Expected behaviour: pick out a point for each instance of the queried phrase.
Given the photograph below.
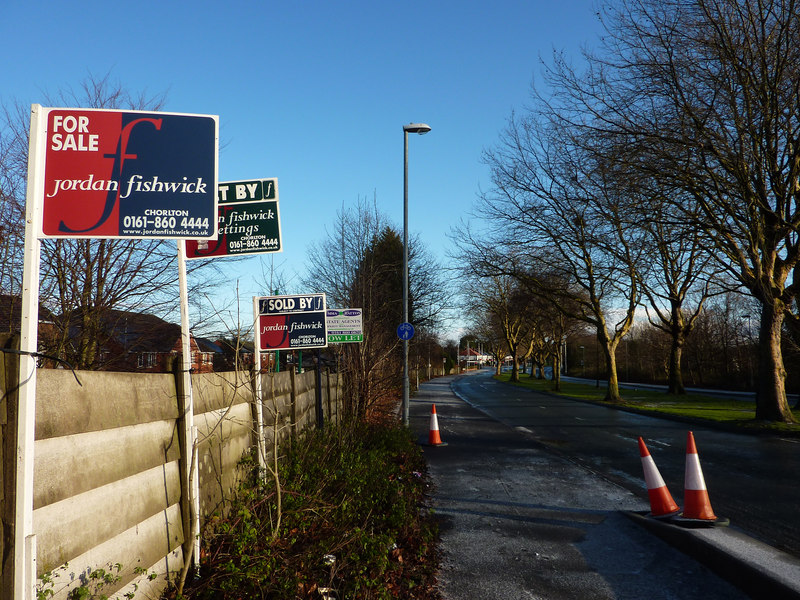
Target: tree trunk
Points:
(540, 373)
(514, 367)
(557, 371)
(675, 377)
(610, 351)
(771, 402)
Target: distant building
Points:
(131, 341)
(11, 320)
(470, 357)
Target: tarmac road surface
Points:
(751, 479)
(519, 522)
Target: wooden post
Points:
(9, 386)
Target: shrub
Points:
(353, 521)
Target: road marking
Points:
(523, 429)
(650, 442)
(659, 443)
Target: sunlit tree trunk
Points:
(772, 404)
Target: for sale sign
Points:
(248, 220)
(128, 174)
(291, 322)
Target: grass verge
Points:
(731, 413)
(353, 524)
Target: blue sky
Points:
(315, 93)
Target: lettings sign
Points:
(291, 322)
(248, 220)
(345, 325)
(128, 174)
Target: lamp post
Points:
(420, 128)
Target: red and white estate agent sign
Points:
(290, 322)
(104, 174)
(120, 174)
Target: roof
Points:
(140, 332)
(206, 345)
(11, 313)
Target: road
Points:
(517, 521)
(752, 480)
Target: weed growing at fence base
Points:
(353, 521)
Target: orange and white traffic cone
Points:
(696, 505)
(434, 439)
(661, 502)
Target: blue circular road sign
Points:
(405, 331)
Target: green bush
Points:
(353, 520)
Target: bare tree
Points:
(680, 277)
(359, 265)
(341, 268)
(560, 215)
(706, 95)
(13, 169)
(486, 329)
(510, 308)
(552, 327)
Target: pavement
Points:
(518, 522)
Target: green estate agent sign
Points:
(248, 220)
(344, 325)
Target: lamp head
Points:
(420, 128)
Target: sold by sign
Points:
(291, 322)
(248, 220)
(116, 174)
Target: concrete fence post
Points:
(9, 386)
(185, 443)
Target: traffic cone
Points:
(434, 439)
(661, 502)
(695, 497)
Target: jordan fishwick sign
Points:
(127, 174)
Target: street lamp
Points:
(420, 128)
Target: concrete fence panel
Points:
(72, 526)
(276, 390)
(225, 430)
(106, 463)
(215, 391)
(102, 400)
(305, 401)
(224, 437)
(109, 483)
(73, 464)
